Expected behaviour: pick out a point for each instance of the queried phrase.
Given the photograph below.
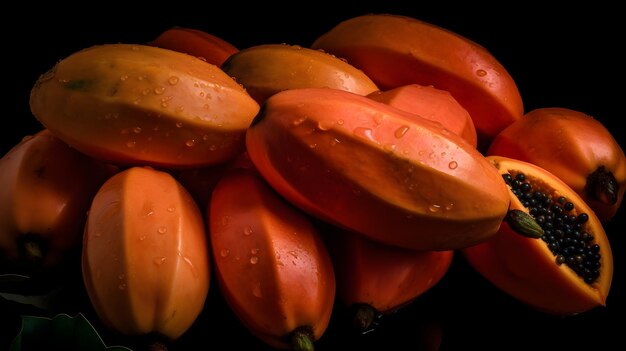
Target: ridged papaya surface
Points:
(142, 105)
(267, 69)
(376, 170)
(272, 266)
(398, 50)
(145, 255)
(573, 146)
(567, 270)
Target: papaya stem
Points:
(602, 186)
(32, 250)
(524, 224)
(302, 339)
(364, 316)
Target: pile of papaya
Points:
(299, 189)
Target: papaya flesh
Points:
(267, 69)
(433, 104)
(376, 170)
(145, 257)
(569, 269)
(142, 105)
(271, 264)
(398, 50)
(573, 146)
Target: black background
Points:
(565, 56)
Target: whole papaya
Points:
(145, 261)
(376, 170)
(142, 105)
(573, 146)
(47, 188)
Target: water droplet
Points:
(190, 143)
(140, 78)
(340, 122)
(401, 131)
(188, 261)
(294, 254)
(97, 234)
(434, 208)
(121, 276)
(481, 72)
(389, 147)
(431, 155)
(256, 290)
(162, 230)
(325, 125)
(254, 251)
(254, 260)
(131, 144)
(142, 237)
(180, 109)
(213, 147)
(124, 77)
(453, 165)
(334, 142)
(164, 104)
(137, 130)
(299, 121)
(159, 260)
(179, 124)
(224, 252)
(173, 80)
(247, 231)
(145, 92)
(159, 90)
(171, 209)
(122, 286)
(364, 133)
(313, 145)
(449, 206)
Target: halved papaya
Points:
(552, 252)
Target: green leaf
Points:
(59, 333)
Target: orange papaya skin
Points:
(572, 146)
(267, 69)
(526, 269)
(433, 104)
(271, 264)
(142, 105)
(145, 257)
(208, 47)
(368, 167)
(47, 188)
(383, 277)
(397, 50)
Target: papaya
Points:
(142, 105)
(267, 69)
(271, 264)
(433, 104)
(145, 261)
(47, 188)
(375, 279)
(203, 45)
(376, 170)
(573, 146)
(552, 252)
(399, 50)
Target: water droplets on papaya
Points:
(173, 80)
(159, 90)
(364, 133)
(224, 252)
(453, 165)
(124, 77)
(159, 260)
(247, 231)
(434, 208)
(142, 237)
(254, 260)
(193, 268)
(131, 144)
(137, 130)
(162, 230)
(481, 72)
(171, 209)
(190, 143)
(256, 290)
(179, 124)
(401, 131)
(298, 121)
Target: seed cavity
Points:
(565, 230)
